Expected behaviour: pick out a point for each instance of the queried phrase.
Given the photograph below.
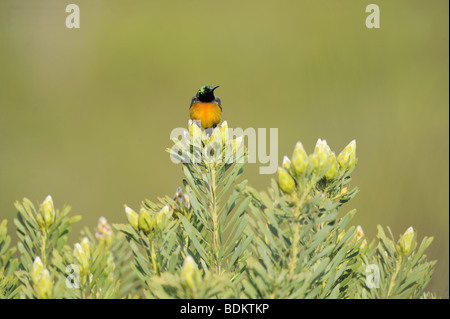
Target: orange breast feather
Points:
(208, 113)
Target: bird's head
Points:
(206, 93)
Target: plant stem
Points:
(296, 230)
(294, 250)
(394, 276)
(153, 256)
(214, 217)
(44, 240)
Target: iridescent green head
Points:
(206, 93)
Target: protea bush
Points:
(219, 237)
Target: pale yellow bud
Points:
(195, 132)
(132, 217)
(224, 131)
(47, 212)
(333, 171)
(166, 211)
(347, 158)
(41, 279)
(146, 222)
(321, 147)
(44, 287)
(37, 269)
(82, 254)
(286, 163)
(285, 180)
(300, 159)
(406, 242)
(319, 157)
(189, 272)
(217, 135)
(163, 217)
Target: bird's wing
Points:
(194, 99)
(217, 100)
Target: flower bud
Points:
(286, 163)
(224, 131)
(406, 242)
(195, 132)
(166, 211)
(333, 171)
(45, 285)
(216, 135)
(299, 159)
(132, 217)
(187, 201)
(146, 222)
(359, 232)
(104, 232)
(181, 203)
(40, 277)
(162, 218)
(359, 235)
(178, 197)
(286, 182)
(347, 158)
(37, 269)
(46, 213)
(82, 254)
(320, 156)
(189, 273)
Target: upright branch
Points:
(212, 162)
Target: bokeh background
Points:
(85, 114)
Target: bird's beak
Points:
(214, 88)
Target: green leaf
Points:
(193, 235)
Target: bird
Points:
(205, 107)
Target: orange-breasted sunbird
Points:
(205, 107)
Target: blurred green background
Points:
(85, 114)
